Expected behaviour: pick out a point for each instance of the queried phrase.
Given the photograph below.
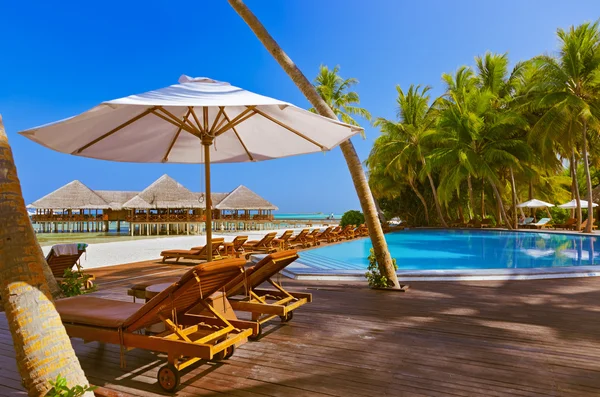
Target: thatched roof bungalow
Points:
(165, 205)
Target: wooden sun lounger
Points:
(234, 248)
(260, 246)
(326, 235)
(186, 338)
(59, 263)
(195, 253)
(283, 241)
(299, 240)
(312, 237)
(569, 224)
(266, 304)
(346, 233)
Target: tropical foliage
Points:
(497, 136)
(352, 217)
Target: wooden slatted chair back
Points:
(195, 285)
(266, 268)
(58, 264)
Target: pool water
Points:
(458, 249)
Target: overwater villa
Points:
(164, 207)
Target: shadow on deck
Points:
(526, 338)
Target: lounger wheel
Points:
(287, 318)
(229, 352)
(258, 334)
(168, 378)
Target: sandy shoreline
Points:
(120, 252)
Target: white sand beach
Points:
(120, 252)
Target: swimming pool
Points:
(463, 251)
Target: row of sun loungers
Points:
(544, 223)
(240, 246)
(192, 319)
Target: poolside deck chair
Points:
(459, 222)
(526, 222)
(362, 230)
(474, 223)
(312, 237)
(584, 225)
(187, 338)
(283, 241)
(485, 223)
(300, 240)
(541, 224)
(326, 235)
(195, 253)
(346, 233)
(63, 257)
(260, 246)
(235, 248)
(266, 304)
(569, 224)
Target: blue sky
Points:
(62, 58)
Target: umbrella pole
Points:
(208, 200)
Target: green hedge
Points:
(352, 217)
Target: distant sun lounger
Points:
(195, 253)
(541, 224)
(571, 223)
(63, 257)
(186, 339)
(260, 246)
(526, 222)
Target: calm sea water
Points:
(305, 216)
(464, 249)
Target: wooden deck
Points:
(521, 338)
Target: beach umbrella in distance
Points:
(199, 120)
(535, 203)
(573, 204)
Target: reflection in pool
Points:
(463, 249)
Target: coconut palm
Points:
(416, 120)
(365, 197)
(567, 92)
(43, 349)
(386, 172)
(336, 92)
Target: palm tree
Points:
(567, 91)
(43, 349)
(383, 169)
(355, 167)
(417, 120)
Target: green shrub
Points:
(74, 283)
(60, 389)
(373, 275)
(352, 217)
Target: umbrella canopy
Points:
(199, 120)
(535, 204)
(573, 204)
(168, 125)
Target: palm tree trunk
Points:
(382, 254)
(514, 199)
(500, 204)
(531, 196)
(43, 349)
(436, 199)
(471, 198)
(482, 198)
(380, 213)
(577, 195)
(421, 198)
(588, 180)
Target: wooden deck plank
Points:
(495, 338)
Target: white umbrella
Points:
(573, 204)
(535, 203)
(199, 120)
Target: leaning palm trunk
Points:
(502, 214)
(577, 195)
(380, 213)
(514, 199)
(436, 199)
(421, 199)
(471, 198)
(43, 349)
(588, 180)
(482, 198)
(382, 254)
